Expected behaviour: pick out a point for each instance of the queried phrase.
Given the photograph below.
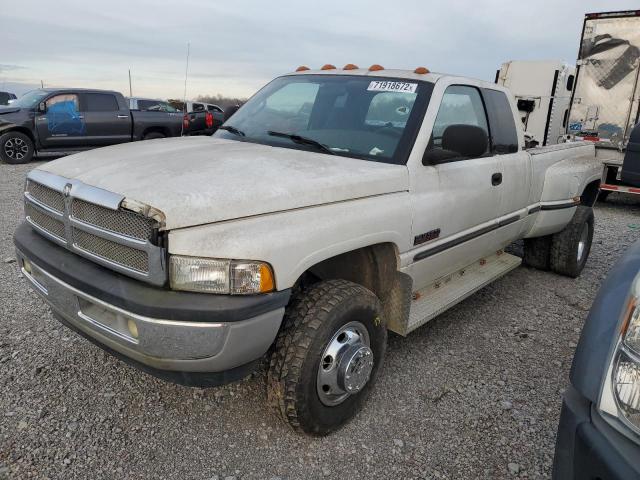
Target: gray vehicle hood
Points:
(200, 180)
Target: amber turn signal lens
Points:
(350, 66)
(375, 67)
(328, 66)
(302, 68)
(421, 70)
(267, 283)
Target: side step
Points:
(434, 299)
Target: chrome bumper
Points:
(158, 343)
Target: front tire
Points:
(327, 356)
(570, 248)
(16, 148)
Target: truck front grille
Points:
(46, 195)
(111, 251)
(131, 224)
(119, 239)
(47, 223)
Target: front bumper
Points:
(163, 332)
(587, 447)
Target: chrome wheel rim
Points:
(345, 365)
(16, 148)
(582, 244)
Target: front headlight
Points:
(236, 277)
(620, 396)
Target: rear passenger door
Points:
(457, 199)
(514, 165)
(107, 122)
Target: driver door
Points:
(62, 125)
(455, 203)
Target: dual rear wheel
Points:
(565, 252)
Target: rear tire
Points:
(570, 248)
(322, 369)
(16, 148)
(153, 135)
(537, 252)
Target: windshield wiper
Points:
(232, 129)
(303, 141)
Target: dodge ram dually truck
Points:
(62, 121)
(333, 206)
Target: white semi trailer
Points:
(542, 89)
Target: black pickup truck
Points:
(62, 121)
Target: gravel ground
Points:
(474, 394)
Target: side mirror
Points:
(230, 111)
(42, 107)
(458, 142)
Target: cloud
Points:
(236, 47)
(10, 68)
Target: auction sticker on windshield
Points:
(387, 86)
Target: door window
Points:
(101, 102)
(504, 136)
(461, 107)
(63, 115)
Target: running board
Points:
(434, 299)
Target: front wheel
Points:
(16, 148)
(327, 356)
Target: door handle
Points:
(123, 116)
(496, 179)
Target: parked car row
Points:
(54, 122)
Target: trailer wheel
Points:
(537, 252)
(327, 356)
(16, 148)
(570, 248)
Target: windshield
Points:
(29, 99)
(372, 118)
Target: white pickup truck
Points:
(333, 206)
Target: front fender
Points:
(295, 240)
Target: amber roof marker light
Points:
(421, 70)
(302, 68)
(328, 66)
(375, 67)
(350, 66)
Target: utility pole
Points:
(130, 89)
(184, 97)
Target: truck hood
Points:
(200, 180)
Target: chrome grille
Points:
(127, 223)
(46, 196)
(114, 252)
(92, 223)
(51, 225)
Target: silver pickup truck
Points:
(334, 205)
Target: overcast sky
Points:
(237, 46)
